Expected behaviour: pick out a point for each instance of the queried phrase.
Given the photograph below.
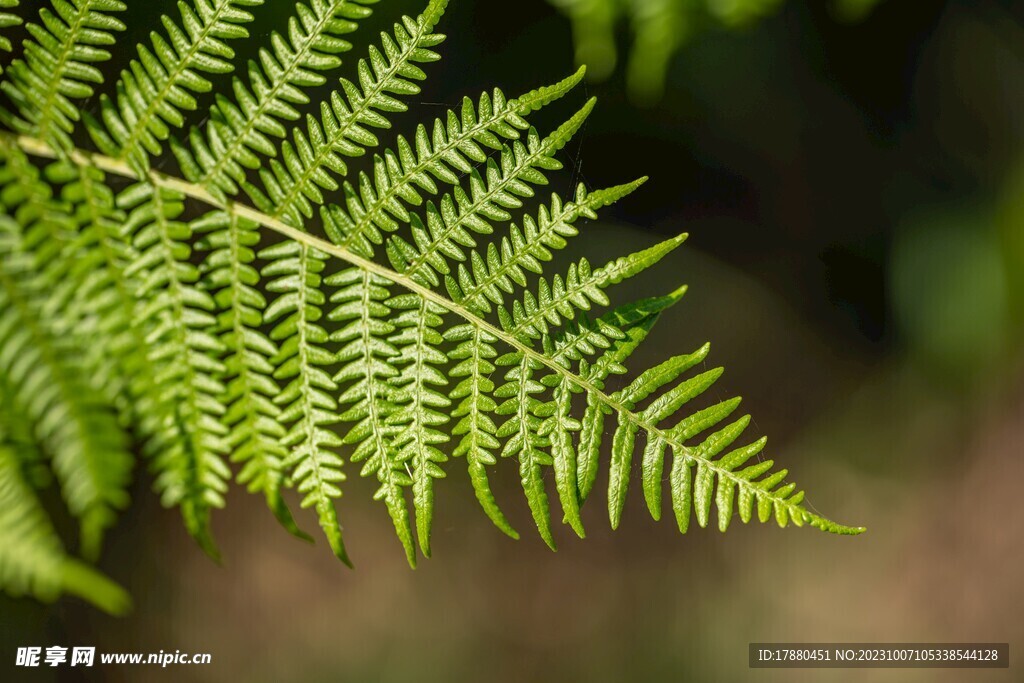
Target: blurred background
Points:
(854, 194)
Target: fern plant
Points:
(296, 296)
(660, 28)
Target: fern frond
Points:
(634, 321)
(559, 426)
(252, 418)
(88, 448)
(83, 254)
(240, 130)
(548, 426)
(475, 354)
(419, 402)
(445, 237)
(581, 287)
(60, 66)
(16, 434)
(667, 404)
(7, 20)
(521, 432)
(47, 229)
(188, 453)
(695, 492)
(159, 86)
(489, 278)
(366, 359)
(296, 180)
(32, 561)
(310, 408)
(100, 299)
(120, 300)
(105, 301)
(447, 229)
(456, 143)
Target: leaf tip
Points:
(573, 80)
(677, 294)
(78, 578)
(346, 560)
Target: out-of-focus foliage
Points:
(660, 28)
(952, 293)
(1009, 224)
(7, 20)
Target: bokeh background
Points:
(854, 194)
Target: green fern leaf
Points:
(475, 354)
(88, 449)
(159, 86)
(7, 20)
(242, 336)
(238, 132)
(458, 141)
(310, 408)
(46, 371)
(554, 423)
(252, 418)
(59, 67)
(296, 180)
(102, 300)
(189, 455)
(367, 366)
(16, 434)
(623, 441)
(581, 287)
(91, 290)
(507, 180)
(522, 433)
(419, 402)
(559, 426)
(447, 229)
(634, 321)
(47, 229)
(31, 558)
(489, 278)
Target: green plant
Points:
(660, 28)
(269, 334)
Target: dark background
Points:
(854, 195)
